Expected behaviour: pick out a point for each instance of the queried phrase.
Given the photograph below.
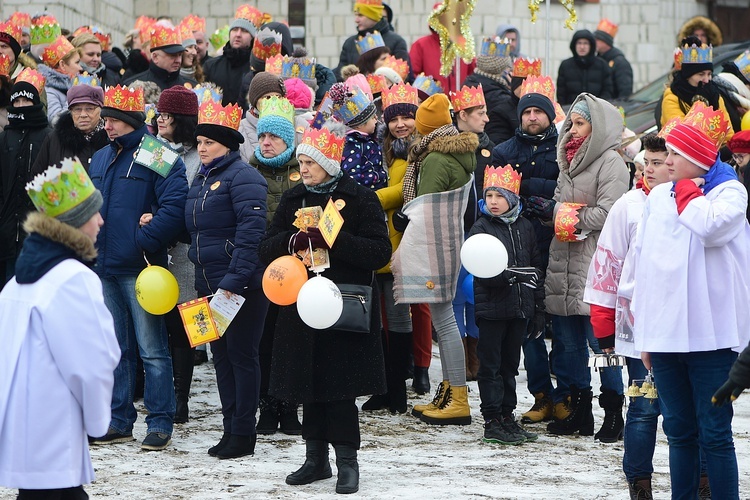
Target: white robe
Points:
(57, 361)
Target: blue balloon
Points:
(467, 287)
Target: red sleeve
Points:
(602, 321)
(415, 57)
(684, 191)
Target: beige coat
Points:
(597, 176)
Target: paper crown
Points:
(5, 65)
(105, 40)
(667, 128)
(143, 21)
(59, 189)
(56, 51)
(164, 36)
(267, 44)
(274, 64)
(566, 220)
(712, 123)
(502, 177)
(208, 92)
(44, 29)
(33, 77)
(377, 83)
(330, 145)
(250, 13)
(693, 55)
(398, 65)
(523, 67)
(12, 29)
(213, 113)
(608, 27)
(195, 23)
(20, 19)
(220, 37)
(495, 46)
(86, 79)
(467, 97)
(124, 98)
(186, 33)
(370, 41)
(401, 93)
(151, 113)
(743, 64)
(277, 106)
(352, 106)
(426, 86)
(296, 67)
(539, 85)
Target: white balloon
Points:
(319, 303)
(484, 256)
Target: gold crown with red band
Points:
(185, 32)
(56, 51)
(377, 83)
(502, 177)
(398, 65)
(523, 67)
(329, 144)
(667, 128)
(401, 93)
(195, 23)
(21, 19)
(124, 98)
(250, 13)
(213, 113)
(712, 123)
(566, 220)
(267, 44)
(5, 64)
(163, 36)
(33, 77)
(467, 97)
(12, 29)
(608, 27)
(539, 85)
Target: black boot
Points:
(611, 403)
(316, 466)
(421, 382)
(268, 421)
(397, 368)
(348, 474)
(218, 446)
(288, 419)
(182, 369)
(580, 419)
(237, 446)
(376, 402)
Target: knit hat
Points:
(264, 83)
(220, 123)
(85, 94)
(536, 100)
(24, 89)
(582, 108)
(740, 142)
(360, 80)
(433, 114)
(9, 35)
(325, 146)
(495, 65)
(606, 31)
(700, 135)
(390, 74)
(124, 104)
(277, 117)
(179, 101)
(371, 9)
(640, 158)
(247, 18)
(298, 93)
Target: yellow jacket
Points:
(670, 108)
(392, 198)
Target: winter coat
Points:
(622, 73)
(58, 360)
(501, 107)
(583, 74)
(325, 78)
(391, 199)
(129, 191)
(362, 160)
(597, 176)
(161, 77)
(672, 107)
(225, 214)
(56, 86)
(425, 58)
(495, 298)
(449, 164)
(536, 160)
(66, 141)
(136, 62)
(18, 151)
(227, 71)
(279, 180)
(107, 77)
(396, 44)
(484, 158)
(327, 365)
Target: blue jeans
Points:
(463, 310)
(641, 422)
(137, 329)
(686, 382)
(536, 363)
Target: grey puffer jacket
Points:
(597, 176)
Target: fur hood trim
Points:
(712, 30)
(60, 232)
(465, 142)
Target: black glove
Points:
(739, 380)
(726, 393)
(526, 276)
(535, 328)
(541, 207)
(400, 221)
(317, 240)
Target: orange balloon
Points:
(283, 279)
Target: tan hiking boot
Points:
(436, 402)
(540, 412)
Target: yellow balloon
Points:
(746, 121)
(156, 290)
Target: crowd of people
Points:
(630, 247)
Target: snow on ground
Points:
(400, 458)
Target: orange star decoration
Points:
(568, 4)
(451, 22)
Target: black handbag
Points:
(357, 311)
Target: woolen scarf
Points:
(572, 147)
(417, 155)
(26, 117)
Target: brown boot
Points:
(561, 410)
(640, 489)
(540, 412)
(472, 363)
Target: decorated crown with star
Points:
(712, 123)
(250, 13)
(208, 92)
(12, 29)
(325, 141)
(33, 77)
(124, 98)
(743, 64)
(163, 36)
(213, 113)
(523, 67)
(5, 64)
(44, 29)
(86, 79)
(267, 44)
(276, 106)
(59, 189)
(369, 41)
(56, 51)
(427, 86)
(495, 46)
(398, 65)
(195, 23)
(467, 97)
(400, 93)
(220, 37)
(502, 177)
(297, 67)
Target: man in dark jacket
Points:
(533, 152)
(166, 60)
(130, 190)
(369, 17)
(228, 69)
(622, 73)
(584, 72)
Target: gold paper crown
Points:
(608, 27)
(33, 77)
(57, 190)
(21, 19)
(56, 51)
(250, 13)
(523, 67)
(274, 64)
(495, 46)
(369, 41)
(276, 106)
(124, 98)
(86, 79)
(163, 36)
(329, 144)
(267, 44)
(467, 97)
(12, 29)
(398, 65)
(712, 123)
(502, 177)
(5, 65)
(105, 39)
(195, 23)
(143, 21)
(213, 113)
(401, 93)
(539, 85)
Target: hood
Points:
(588, 36)
(55, 79)
(606, 132)
(503, 28)
(712, 30)
(381, 26)
(463, 143)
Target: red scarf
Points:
(572, 147)
(643, 184)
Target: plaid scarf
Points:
(417, 155)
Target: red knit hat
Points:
(740, 142)
(700, 135)
(178, 100)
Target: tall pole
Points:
(547, 64)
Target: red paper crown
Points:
(712, 123)
(608, 27)
(539, 85)
(56, 51)
(467, 97)
(667, 128)
(5, 65)
(502, 177)
(523, 67)
(195, 23)
(263, 51)
(213, 113)
(377, 83)
(274, 64)
(33, 77)
(566, 220)
(329, 144)
(250, 13)
(12, 29)
(398, 65)
(124, 98)
(162, 36)
(105, 39)
(401, 93)
(21, 19)
(144, 24)
(45, 19)
(186, 33)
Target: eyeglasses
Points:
(739, 157)
(88, 110)
(164, 116)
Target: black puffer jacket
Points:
(392, 40)
(66, 141)
(622, 73)
(583, 74)
(484, 157)
(161, 77)
(227, 71)
(501, 107)
(495, 298)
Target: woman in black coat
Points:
(327, 369)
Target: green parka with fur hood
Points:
(449, 163)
